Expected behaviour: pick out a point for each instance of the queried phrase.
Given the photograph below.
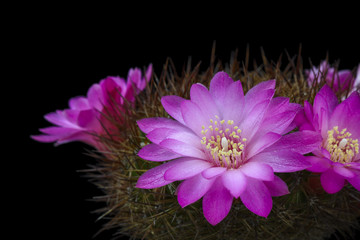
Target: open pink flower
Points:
(339, 80)
(337, 158)
(85, 115)
(225, 145)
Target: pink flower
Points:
(225, 145)
(339, 80)
(85, 115)
(337, 158)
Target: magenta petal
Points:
(302, 142)
(186, 170)
(96, 97)
(318, 164)
(282, 160)
(87, 119)
(45, 138)
(213, 172)
(234, 94)
(79, 103)
(277, 187)
(331, 181)
(347, 115)
(217, 203)
(58, 118)
(182, 148)
(218, 86)
(154, 177)
(192, 189)
(257, 198)
(183, 135)
(148, 124)
(172, 105)
(263, 91)
(343, 171)
(193, 116)
(355, 181)
(326, 99)
(200, 95)
(262, 143)
(156, 153)
(59, 131)
(278, 123)
(258, 170)
(252, 121)
(235, 181)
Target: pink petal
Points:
(263, 91)
(302, 142)
(347, 115)
(355, 181)
(148, 124)
(183, 135)
(58, 118)
(277, 187)
(88, 119)
(213, 172)
(234, 95)
(96, 97)
(331, 181)
(345, 78)
(235, 181)
(79, 103)
(186, 170)
(218, 86)
(200, 95)
(257, 198)
(258, 170)
(45, 138)
(156, 153)
(172, 105)
(59, 131)
(318, 164)
(193, 116)
(192, 189)
(282, 160)
(182, 148)
(326, 99)
(252, 121)
(154, 177)
(217, 203)
(258, 145)
(278, 123)
(340, 169)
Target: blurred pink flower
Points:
(225, 145)
(85, 115)
(337, 158)
(338, 80)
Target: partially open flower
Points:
(86, 115)
(339, 80)
(225, 145)
(337, 157)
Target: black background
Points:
(51, 61)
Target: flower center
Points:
(341, 147)
(223, 144)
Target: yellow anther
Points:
(244, 139)
(222, 121)
(216, 129)
(227, 130)
(239, 131)
(236, 127)
(216, 116)
(236, 136)
(203, 127)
